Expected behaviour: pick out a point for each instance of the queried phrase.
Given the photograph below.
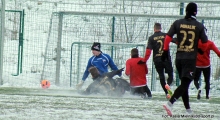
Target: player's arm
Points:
(147, 54)
(165, 54)
(215, 49)
(112, 64)
(202, 47)
(203, 36)
(85, 75)
(113, 73)
(86, 72)
(148, 49)
(169, 36)
(127, 68)
(167, 41)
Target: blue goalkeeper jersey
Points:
(101, 62)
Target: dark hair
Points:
(191, 7)
(191, 10)
(94, 72)
(134, 53)
(157, 26)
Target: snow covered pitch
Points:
(57, 104)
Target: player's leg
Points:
(91, 88)
(160, 70)
(185, 69)
(136, 91)
(198, 72)
(185, 95)
(169, 71)
(140, 91)
(147, 90)
(177, 92)
(206, 73)
(197, 77)
(132, 90)
(181, 89)
(187, 77)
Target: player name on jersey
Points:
(193, 27)
(159, 37)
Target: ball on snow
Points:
(45, 84)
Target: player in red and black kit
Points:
(188, 31)
(203, 65)
(155, 43)
(137, 73)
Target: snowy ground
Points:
(67, 104)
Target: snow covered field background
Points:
(67, 104)
(21, 97)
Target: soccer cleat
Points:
(207, 98)
(199, 96)
(143, 96)
(147, 97)
(168, 108)
(168, 96)
(189, 111)
(168, 90)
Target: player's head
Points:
(157, 27)
(96, 48)
(134, 53)
(191, 9)
(94, 72)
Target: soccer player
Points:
(155, 43)
(203, 65)
(105, 84)
(188, 31)
(137, 73)
(100, 60)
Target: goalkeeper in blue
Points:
(99, 60)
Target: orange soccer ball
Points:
(45, 84)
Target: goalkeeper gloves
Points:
(119, 72)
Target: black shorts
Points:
(160, 66)
(186, 68)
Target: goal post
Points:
(81, 52)
(2, 29)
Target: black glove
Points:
(200, 51)
(164, 56)
(113, 73)
(119, 72)
(141, 62)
